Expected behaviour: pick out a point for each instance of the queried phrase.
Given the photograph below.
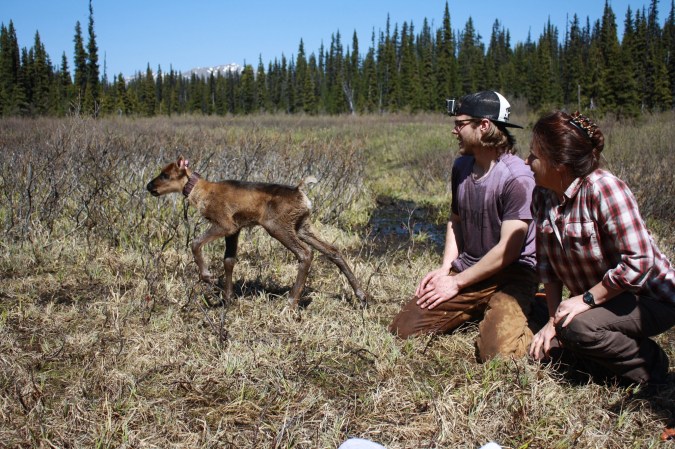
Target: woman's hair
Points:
(573, 141)
(497, 136)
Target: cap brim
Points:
(508, 125)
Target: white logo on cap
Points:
(504, 108)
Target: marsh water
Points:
(403, 220)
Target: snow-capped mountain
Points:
(200, 72)
(204, 72)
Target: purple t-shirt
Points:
(505, 193)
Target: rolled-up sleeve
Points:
(618, 216)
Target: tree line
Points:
(403, 69)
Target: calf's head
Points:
(171, 179)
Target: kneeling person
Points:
(487, 271)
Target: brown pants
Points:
(613, 339)
(504, 301)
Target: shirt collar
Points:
(573, 189)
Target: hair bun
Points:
(598, 141)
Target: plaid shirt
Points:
(596, 234)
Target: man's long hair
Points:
(498, 136)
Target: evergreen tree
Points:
(447, 77)
(274, 84)
(388, 70)
(6, 81)
(352, 81)
(370, 81)
(641, 60)
(171, 92)
(335, 101)
(428, 82)
(121, 103)
(542, 76)
(470, 59)
(93, 90)
(147, 93)
(261, 88)
(20, 96)
(39, 77)
(497, 59)
(289, 82)
(248, 90)
(220, 94)
(212, 103)
(574, 79)
(409, 72)
(611, 60)
(316, 78)
(628, 99)
(80, 61)
(285, 95)
(320, 79)
(669, 48)
(160, 103)
(65, 86)
(305, 100)
(10, 62)
(596, 87)
(658, 95)
(519, 66)
(195, 95)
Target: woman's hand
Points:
(568, 309)
(541, 342)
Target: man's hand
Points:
(427, 278)
(437, 290)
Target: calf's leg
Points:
(213, 233)
(229, 260)
(303, 253)
(305, 233)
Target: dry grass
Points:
(107, 340)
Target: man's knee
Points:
(504, 329)
(408, 321)
(414, 320)
(507, 342)
(401, 327)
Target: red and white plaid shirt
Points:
(597, 234)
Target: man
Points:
(488, 263)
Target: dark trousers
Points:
(502, 302)
(614, 338)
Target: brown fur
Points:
(232, 205)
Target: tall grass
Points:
(108, 340)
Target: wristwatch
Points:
(589, 300)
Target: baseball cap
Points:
(485, 104)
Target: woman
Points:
(592, 240)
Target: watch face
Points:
(588, 299)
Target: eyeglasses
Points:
(459, 124)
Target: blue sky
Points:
(199, 33)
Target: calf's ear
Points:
(182, 162)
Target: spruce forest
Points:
(404, 69)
